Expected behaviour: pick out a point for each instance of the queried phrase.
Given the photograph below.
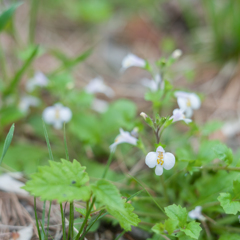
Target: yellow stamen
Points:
(57, 114)
(160, 158)
(188, 103)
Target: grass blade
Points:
(47, 141)
(65, 142)
(7, 142)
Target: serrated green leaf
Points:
(223, 153)
(229, 206)
(7, 15)
(63, 181)
(7, 142)
(192, 230)
(183, 236)
(177, 213)
(126, 218)
(107, 194)
(170, 225)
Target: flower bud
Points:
(177, 54)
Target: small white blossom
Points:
(99, 105)
(153, 84)
(39, 80)
(178, 115)
(144, 115)
(177, 54)
(56, 115)
(197, 214)
(188, 102)
(123, 137)
(160, 159)
(132, 60)
(97, 85)
(26, 102)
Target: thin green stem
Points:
(33, 20)
(120, 235)
(71, 221)
(65, 142)
(49, 213)
(3, 64)
(63, 222)
(86, 219)
(108, 165)
(36, 218)
(43, 218)
(237, 169)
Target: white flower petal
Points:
(132, 60)
(169, 161)
(159, 170)
(49, 114)
(151, 159)
(192, 214)
(188, 112)
(99, 105)
(182, 103)
(195, 101)
(65, 114)
(160, 149)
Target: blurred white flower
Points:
(23, 234)
(144, 115)
(123, 137)
(97, 85)
(160, 159)
(177, 54)
(178, 115)
(39, 80)
(26, 102)
(153, 84)
(56, 115)
(132, 60)
(99, 105)
(197, 214)
(188, 102)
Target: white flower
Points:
(144, 115)
(153, 84)
(178, 115)
(97, 85)
(39, 79)
(57, 115)
(188, 102)
(132, 60)
(26, 102)
(99, 105)
(177, 54)
(197, 214)
(160, 159)
(123, 137)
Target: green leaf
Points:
(7, 15)
(63, 181)
(83, 212)
(170, 225)
(107, 194)
(223, 153)
(7, 142)
(211, 127)
(183, 236)
(192, 230)
(126, 218)
(228, 204)
(177, 213)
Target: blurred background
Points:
(81, 40)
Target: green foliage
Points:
(192, 230)
(60, 181)
(6, 16)
(107, 194)
(7, 142)
(223, 153)
(126, 218)
(231, 201)
(229, 236)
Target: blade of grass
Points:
(18, 75)
(33, 20)
(49, 212)
(43, 219)
(48, 142)
(120, 235)
(63, 222)
(7, 142)
(36, 218)
(65, 142)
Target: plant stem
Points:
(108, 165)
(237, 169)
(33, 20)
(71, 221)
(49, 212)
(36, 218)
(120, 235)
(43, 218)
(63, 222)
